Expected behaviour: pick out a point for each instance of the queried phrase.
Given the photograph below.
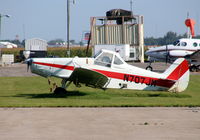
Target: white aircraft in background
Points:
(109, 70)
(180, 48)
(169, 53)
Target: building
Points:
(35, 47)
(119, 27)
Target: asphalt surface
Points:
(158, 123)
(15, 70)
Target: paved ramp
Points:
(100, 123)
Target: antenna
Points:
(24, 32)
(131, 5)
(188, 29)
(198, 23)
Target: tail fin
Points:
(179, 72)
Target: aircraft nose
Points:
(148, 53)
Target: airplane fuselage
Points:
(119, 73)
(126, 76)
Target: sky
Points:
(46, 19)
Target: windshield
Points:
(117, 61)
(105, 59)
(97, 54)
(176, 43)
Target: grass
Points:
(34, 92)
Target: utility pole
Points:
(131, 5)
(68, 26)
(1, 16)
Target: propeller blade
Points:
(167, 54)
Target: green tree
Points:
(169, 38)
(55, 42)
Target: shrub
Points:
(55, 51)
(62, 52)
(15, 51)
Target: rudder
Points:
(179, 72)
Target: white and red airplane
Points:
(109, 70)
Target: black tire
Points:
(60, 91)
(198, 68)
(149, 68)
(193, 68)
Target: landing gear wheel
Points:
(198, 68)
(149, 68)
(60, 91)
(193, 68)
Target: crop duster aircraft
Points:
(108, 70)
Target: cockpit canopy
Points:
(180, 43)
(176, 43)
(187, 42)
(107, 58)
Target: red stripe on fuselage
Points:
(138, 79)
(122, 76)
(55, 65)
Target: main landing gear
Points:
(59, 90)
(149, 67)
(194, 68)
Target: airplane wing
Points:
(88, 77)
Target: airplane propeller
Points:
(167, 55)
